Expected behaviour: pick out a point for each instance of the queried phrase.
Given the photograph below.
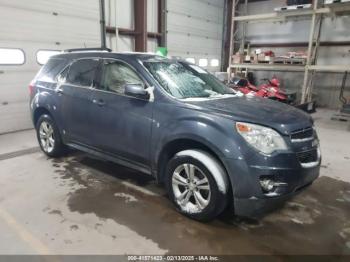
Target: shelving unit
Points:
(270, 67)
(316, 15)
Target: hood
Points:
(263, 111)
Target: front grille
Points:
(302, 134)
(308, 156)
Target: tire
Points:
(49, 137)
(188, 196)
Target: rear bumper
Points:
(249, 198)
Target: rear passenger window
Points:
(116, 74)
(82, 72)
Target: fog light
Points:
(267, 184)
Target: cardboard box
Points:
(237, 58)
(247, 59)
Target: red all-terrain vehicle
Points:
(270, 89)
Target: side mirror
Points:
(136, 90)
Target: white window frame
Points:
(217, 62)
(55, 52)
(13, 49)
(205, 60)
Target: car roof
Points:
(125, 55)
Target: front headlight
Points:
(263, 139)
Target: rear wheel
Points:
(49, 137)
(193, 188)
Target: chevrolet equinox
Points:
(211, 147)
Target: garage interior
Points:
(79, 205)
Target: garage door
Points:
(195, 31)
(29, 26)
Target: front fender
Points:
(213, 132)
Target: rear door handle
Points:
(98, 102)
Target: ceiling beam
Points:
(130, 32)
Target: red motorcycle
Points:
(270, 89)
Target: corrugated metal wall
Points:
(120, 14)
(194, 29)
(33, 25)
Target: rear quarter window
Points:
(51, 69)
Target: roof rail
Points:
(87, 49)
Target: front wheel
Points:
(194, 188)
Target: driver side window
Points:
(116, 75)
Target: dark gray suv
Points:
(211, 147)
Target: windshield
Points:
(183, 80)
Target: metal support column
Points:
(162, 22)
(103, 24)
(304, 95)
(314, 57)
(244, 28)
(140, 15)
(232, 37)
(225, 45)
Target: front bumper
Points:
(249, 198)
(258, 207)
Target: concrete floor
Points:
(79, 205)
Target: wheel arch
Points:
(181, 144)
(41, 110)
(38, 112)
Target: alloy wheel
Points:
(191, 188)
(46, 135)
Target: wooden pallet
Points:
(341, 117)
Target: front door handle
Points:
(98, 102)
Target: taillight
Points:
(31, 88)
